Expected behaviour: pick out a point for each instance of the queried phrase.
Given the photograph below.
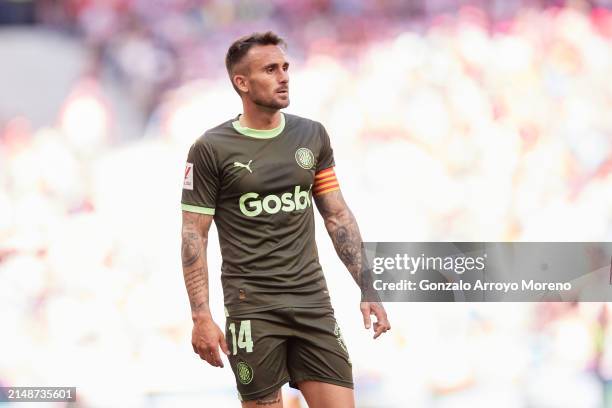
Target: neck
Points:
(256, 117)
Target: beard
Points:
(270, 103)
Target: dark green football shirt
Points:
(258, 185)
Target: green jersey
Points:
(258, 185)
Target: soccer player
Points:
(256, 176)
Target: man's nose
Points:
(284, 77)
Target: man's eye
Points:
(269, 70)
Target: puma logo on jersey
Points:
(246, 166)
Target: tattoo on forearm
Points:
(342, 235)
(345, 243)
(270, 399)
(345, 235)
(191, 248)
(195, 272)
(195, 281)
(344, 232)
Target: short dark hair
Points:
(241, 47)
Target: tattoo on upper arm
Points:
(270, 399)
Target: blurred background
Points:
(450, 121)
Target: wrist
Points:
(201, 313)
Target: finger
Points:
(365, 311)
(386, 323)
(216, 357)
(205, 355)
(378, 333)
(381, 315)
(223, 344)
(210, 358)
(379, 329)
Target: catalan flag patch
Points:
(325, 182)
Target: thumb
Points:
(365, 311)
(223, 344)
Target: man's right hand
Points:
(206, 339)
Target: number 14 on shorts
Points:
(245, 340)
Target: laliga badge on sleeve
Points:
(188, 180)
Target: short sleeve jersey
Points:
(258, 185)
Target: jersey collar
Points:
(257, 133)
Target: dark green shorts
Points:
(268, 349)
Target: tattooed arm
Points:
(344, 232)
(206, 335)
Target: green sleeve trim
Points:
(199, 210)
(257, 133)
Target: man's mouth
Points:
(283, 91)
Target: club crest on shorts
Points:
(305, 158)
(244, 372)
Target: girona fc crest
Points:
(245, 372)
(305, 158)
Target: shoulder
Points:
(214, 135)
(299, 121)
(305, 126)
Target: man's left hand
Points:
(381, 325)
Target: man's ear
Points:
(241, 83)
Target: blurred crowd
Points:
(152, 46)
(446, 126)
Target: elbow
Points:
(193, 247)
(189, 234)
(338, 218)
(345, 216)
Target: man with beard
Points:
(256, 175)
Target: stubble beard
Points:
(271, 103)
